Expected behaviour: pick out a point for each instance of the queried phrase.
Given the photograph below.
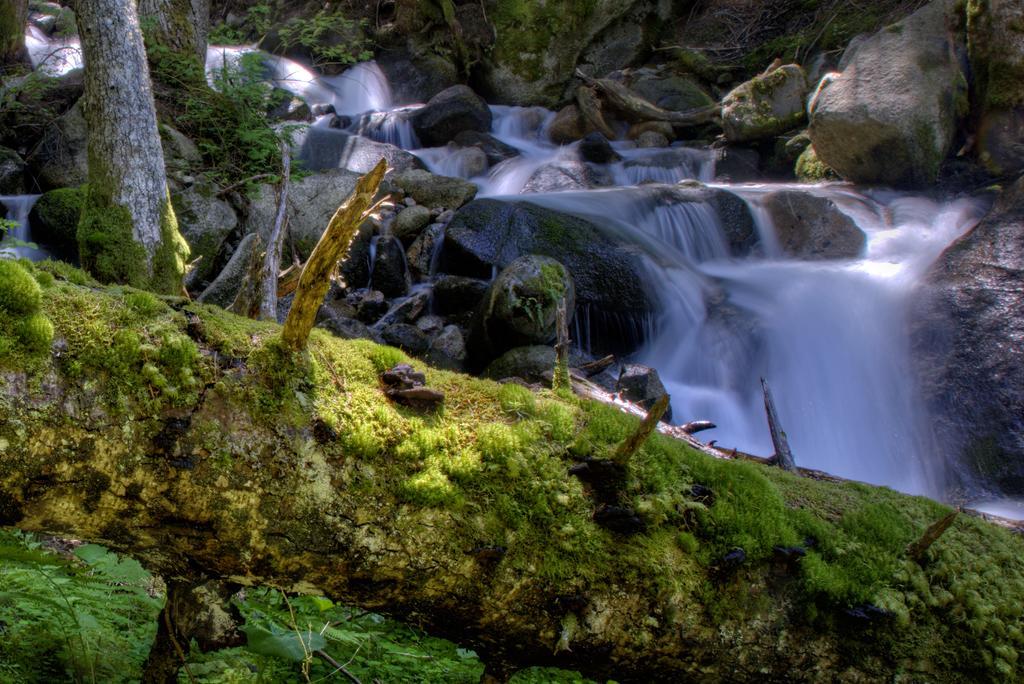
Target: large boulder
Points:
(812, 227)
(665, 87)
(416, 75)
(312, 202)
(205, 221)
(321, 148)
(435, 191)
(488, 234)
(60, 158)
(54, 220)
(891, 114)
(995, 36)
(569, 125)
(538, 45)
(535, 363)
(450, 112)
(567, 175)
(390, 273)
(765, 106)
(969, 345)
(223, 290)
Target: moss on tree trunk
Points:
(13, 15)
(189, 438)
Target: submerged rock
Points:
(766, 105)
(596, 148)
(567, 175)
(450, 112)
(495, 150)
(899, 130)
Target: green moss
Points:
(35, 333)
(810, 169)
(25, 333)
(57, 214)
(20, 294)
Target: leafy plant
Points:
(330, 38)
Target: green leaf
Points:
(281, 643)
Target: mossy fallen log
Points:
(191, 439)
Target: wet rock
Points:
(406, 337)
(435, 191)
(223, 290)
(430, 325)
(667, 88)
(569, 126)
(651, 139)
(663, 127)
(60, 160)
(416, 75)
(450, 112)
(457, 294)
(765, 106)
(898, 131)
(371, 306)
(595, 148)
(12, 172)
(205, 222)
(348, 328)
(410, 222)
(666, 165)
(532, 364)
(289, 107)
(619, 519)
(969, 350)
(448, 349)
(491, 233)
(642, 385)
(406, 310)
(737, 164)
(567, 175)
(390, 273)
(812, 227)
(423, 248)
(495, 150)
(321, 149)
(520, 307)
(355, 268)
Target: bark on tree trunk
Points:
(128, 231)
(181, 25)
(13, 15)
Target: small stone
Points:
(596, 148)
(651, 139)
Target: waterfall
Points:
(17, 208)
(52, 55)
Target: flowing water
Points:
(18, 241)
(831, 337)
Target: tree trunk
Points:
(13, 16)
(296, 471)
(128, 232)
(179, 25)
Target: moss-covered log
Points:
(189, 438)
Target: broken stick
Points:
(783, 456)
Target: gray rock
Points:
(371, 306)
(60, 159)
(407, 310)
(766, 105)
(470, 161)
(423, 249)
(322, 148)
(223, 290)
(390, 273)
(312, 202)
(812, 227)
(457, 294)
(668, 89)
(348, 329)
(406, 337)
(448, 113)
(737, 164)
(663, 127)
(651, 139)
(569, 126)
(899, 130)
(490, 233)
(532, 364)
(448, 349)
(435, 191)
(969, 349)
(355, 268)
(567, 175)
(12, 172)
(416, 75)
(205, 222)
(410, 222)
(430, 325)
(495, 150)
(642, 385)
(520, 307)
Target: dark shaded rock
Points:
(54, 219)
(813, 227)
(348, 328)
(423, 249)
(329, 148)
(390, 273)
(969, 349)
(642, 385)
(456, 294)
(738, 164)
(450, 112)
(702, 494)
(651, 139)
(619, 519)
(59, 160)
(520, 307)
(448, 349)
(355, 268)
(406, 337)
(407, 310)
(403, 376)
(668, 89)
(416, 75)
(532, 364)
(12, 172)
(205, 222)
(491, 233)
(569, 126)
(405, 386)
(223, 290)
(867, 613)
(410, 222)
(371, 306)
(495, 150)
(430, 324)
(567, 175)
(595, 148)
(606, 478)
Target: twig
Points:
(275, 244)
(783, 456)
(917, 549)
(643, 431)
(235, 186)
(338, 667)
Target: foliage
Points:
(22, 327)
(330, 38)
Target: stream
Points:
(830, 336)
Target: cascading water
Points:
(16, 243)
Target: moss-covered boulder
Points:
(900, 129)
(205, 221)
(54, 219)
(521, 306)
(767, 105)
(24, 330)
(810, 169)
(995, 41)
(534, 363)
